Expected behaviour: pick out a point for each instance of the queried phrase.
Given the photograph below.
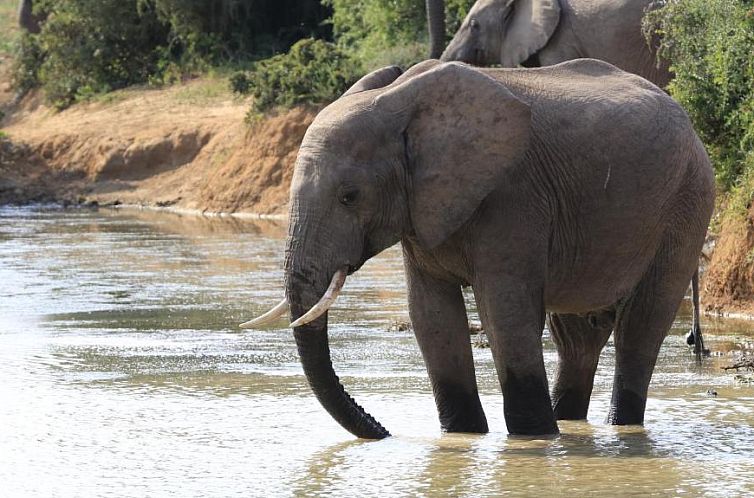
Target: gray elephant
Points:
(577, 188)
(546, 32)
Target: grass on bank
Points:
(9, 31)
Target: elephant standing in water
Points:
(546, 32)
(576, 188)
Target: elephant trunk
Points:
(314, 352)
(436, 24)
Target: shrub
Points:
(88, 47)
(239, 83)
(313, 71)
(28, 60)
(222, 30)
(710, 45)
(94, 46)
(383, 32)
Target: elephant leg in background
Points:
(643, 323)
(579, 340)
(438, 315)
(513, 315)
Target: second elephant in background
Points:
(547, 32)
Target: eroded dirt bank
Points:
(185, 147)
(728, 285)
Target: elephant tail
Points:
(695, 334)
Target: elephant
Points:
(576, 189)
(545, 32)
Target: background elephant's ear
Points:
(376, 79)
(532, 25)
(463, 129)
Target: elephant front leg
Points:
(512, 313)
(441, 326)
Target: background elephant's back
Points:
(605, 87)
(608, 30)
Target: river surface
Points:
(123, 373)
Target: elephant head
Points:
(505, 32)
(408, 161)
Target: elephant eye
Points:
(348, 195)
(474, 24)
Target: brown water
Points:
(122, 373)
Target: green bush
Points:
(87, 47)
(94, 46)
(28, 60)
(313, 71)
(710, 45)
(238, 30)
(383, 32)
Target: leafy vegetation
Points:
(8, 26)
(313, 71)
(369, 34)
(90, 47)
(87, 47)
(710, 45)
(383, 32)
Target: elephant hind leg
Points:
(579, 340)
(644, 321)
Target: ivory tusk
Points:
(331, 294)
(279, 310)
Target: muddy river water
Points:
(122, 373)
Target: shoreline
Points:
(243, 215)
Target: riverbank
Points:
(184, 146)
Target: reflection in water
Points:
(123, 372)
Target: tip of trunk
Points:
(314, 351)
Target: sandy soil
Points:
(186, 146)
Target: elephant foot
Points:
(626, 408)
(460, 410)
(536, 426)
(470, 426)
(570, 404)
(527, 407)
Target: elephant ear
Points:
(376, 79)
(462, 129)
(532, 25)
